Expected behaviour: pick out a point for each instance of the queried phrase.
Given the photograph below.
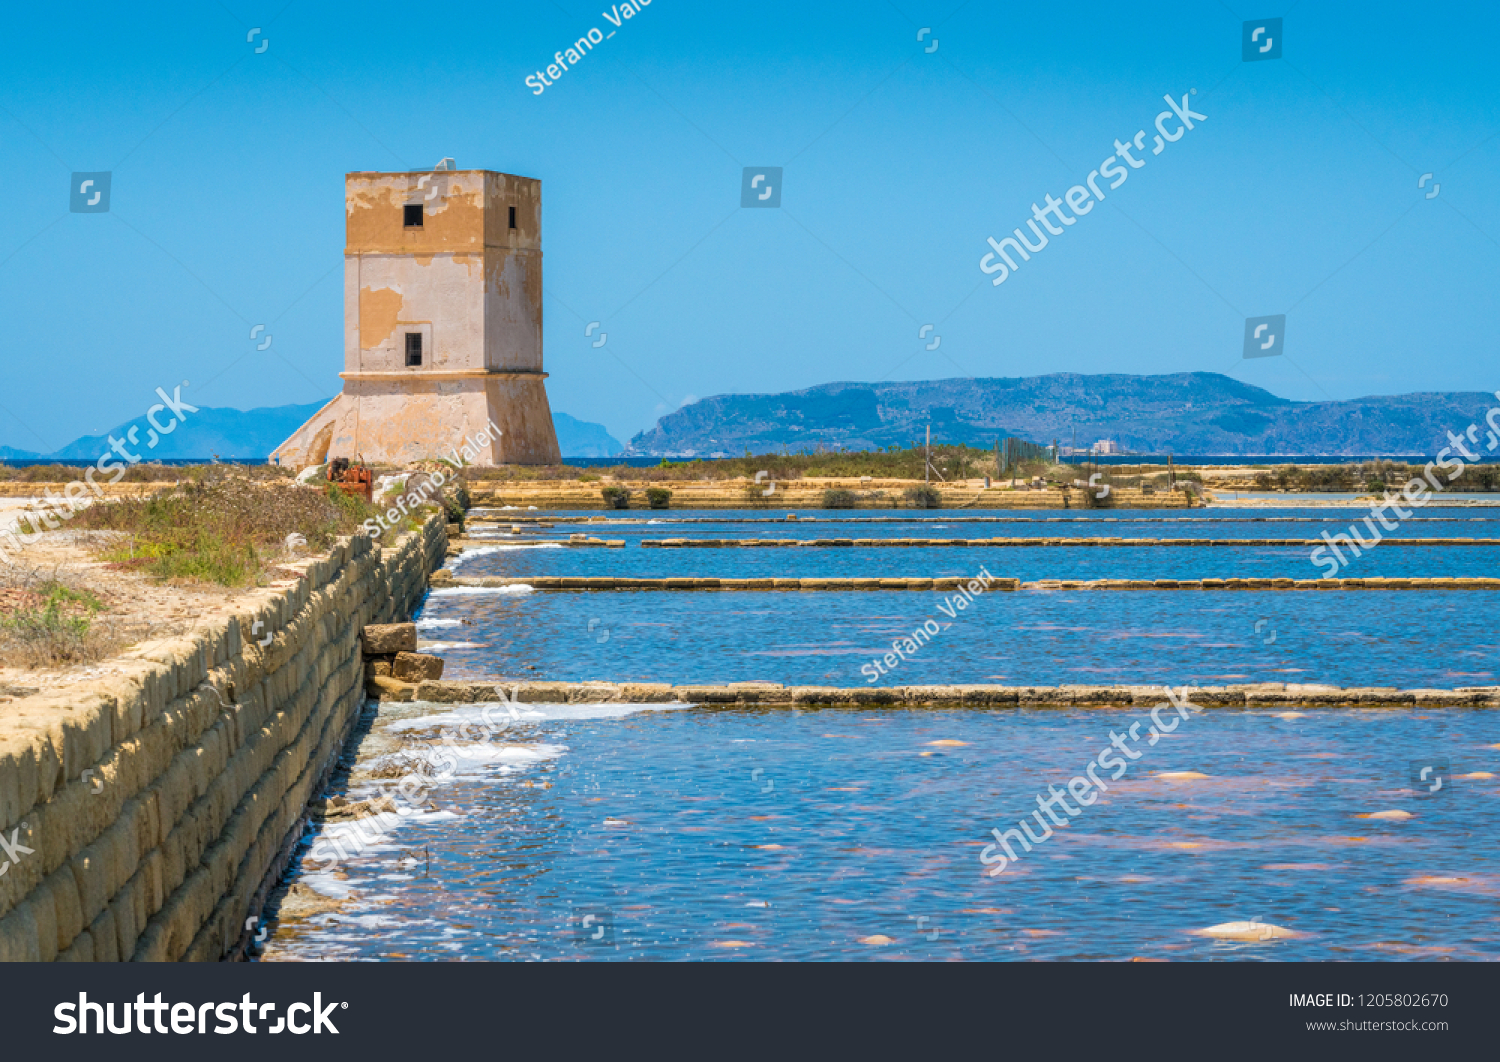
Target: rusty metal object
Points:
(352, 479)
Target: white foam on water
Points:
(451, 591)
(439, 647)
(499, 712)
(431, 816)
(370, 921)
(326, 883)
(480, 551)
(423, 624)
(508, 755)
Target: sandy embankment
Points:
(137, 612)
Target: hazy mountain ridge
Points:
(252, 435)
(1185, 413)
(582, 438)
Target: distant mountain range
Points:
(582, 438)
(1184, 413)
(253, 434)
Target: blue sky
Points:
(1298, 195)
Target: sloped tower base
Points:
(415, 418)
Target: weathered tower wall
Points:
(466, 282)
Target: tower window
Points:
(512, 217)
(413, 347)
(411, 215)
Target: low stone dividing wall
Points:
(159, 807)
(15, 488)
(445, 577)
(931, 543)
(770, 694)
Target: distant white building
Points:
(1106, 446)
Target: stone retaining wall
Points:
(160, 806)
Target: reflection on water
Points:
(777, 834)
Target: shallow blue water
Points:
(1430, 522)
(697, 834)
(1021, 562)
(1398, 638)
(536, 551)
(691, 833)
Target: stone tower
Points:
(442, 323)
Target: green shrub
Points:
(616, 497)
(658, 497)
(924, 497)
(838, 499)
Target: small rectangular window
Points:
(411, 215)
(413, 348)
(512, 217)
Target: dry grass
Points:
(45, 622)
(223, 525)
(145, 472)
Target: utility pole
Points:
(927, 466)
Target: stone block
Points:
(417, 667)
(389, 689)
(382, 638)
